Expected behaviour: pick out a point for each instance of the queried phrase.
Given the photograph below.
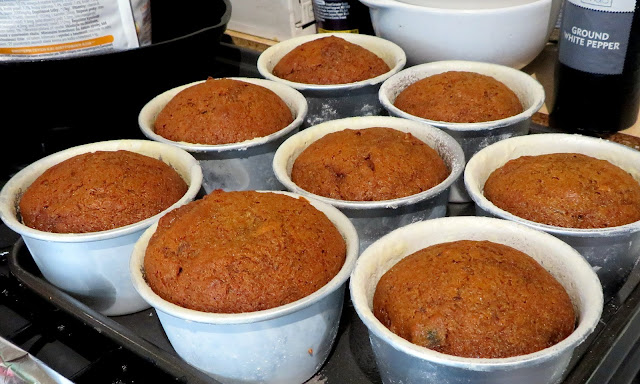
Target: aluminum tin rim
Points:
(363, 122)
(587, 321)
(399, 58)
(462, 65)
(8, 202)
(285, 92)
(342, 223)
(482, 202)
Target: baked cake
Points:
(234, 252)
(99, 191)
(474, 299)
(459, 97)
(565, 190)
(222, 111)
(368, 165)
(329, 60)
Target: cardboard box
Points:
(276, 20)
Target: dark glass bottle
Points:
(342, 16)
(597, 76)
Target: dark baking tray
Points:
(609, 356)
(606, 357)
(140, 333)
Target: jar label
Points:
(606, 5)
(333, 16)
(595, 34)
(322, 30)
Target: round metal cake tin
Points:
(471, 136)
(613, 251)
(235, 166)
(373, 219)
(286, 344)
(400, 361)
(330, 102)
(94, 267)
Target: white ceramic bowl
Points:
(235, 166)
(373, 219)
(330, 102)
(471, 136)
(400, 361)
(286, 344)
(94, 267)
(614, 251)
(467, 4)
(488, 31)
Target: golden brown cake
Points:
(459, 97)
(222, 111)
(474, 299)
(329, 60)
(98, 191)
(368, 165)
(566, 190)
(234, 252)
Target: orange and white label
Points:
(104, 40)
(41, 29)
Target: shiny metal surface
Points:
(400, 361)
(608, 356)
(373, 219)
(288, 343)
(235, 166)
(613, 251)
(330, 102)
(241, 169)
(471, 136)
(474, 140)
(371, 224)
(93, 266)
(396, 367)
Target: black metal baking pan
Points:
(98, 97)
